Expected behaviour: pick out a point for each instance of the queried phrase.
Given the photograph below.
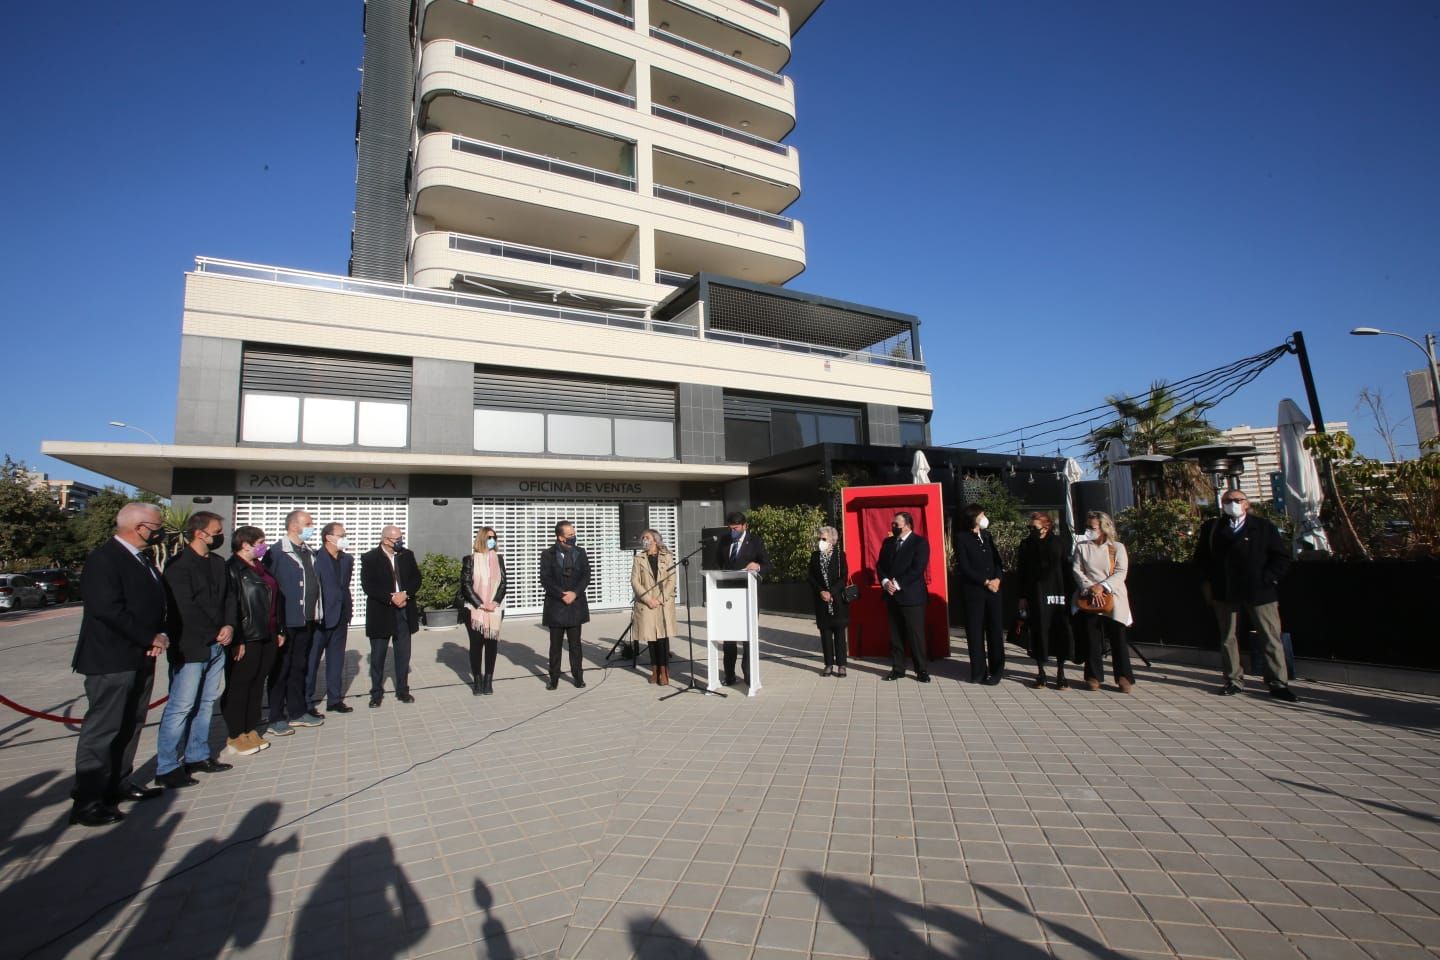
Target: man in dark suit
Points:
(122, 632)
(564, 576)
(302, 606)
(743, 551)
(333, 567)
(202, 621)
(1243, 558)
(901, 567)
(390, 578)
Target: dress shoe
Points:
(829, 671)
(375, 701)
(994, 679)
(1125, 684)
(340, 708)
(488, 687)
(95, 815)
(131, 792)
(1092, 684)
(552, 684)
(728, 680)
(579, 682)
(477, 688)
(839, 671)
(1061, 683)
(923, 677)
(1039, 682)
(1229, 690)
(1284, 693)
(895, 675)
(209, 766)
(404, 698)
(177, 778)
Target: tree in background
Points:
(789, 535)
(31, 525)
(1381, 509)
(1008, 524)
(1157, 422)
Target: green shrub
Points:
(1159, 530)
(439, 582)
(789, 535)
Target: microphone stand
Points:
(690, 627)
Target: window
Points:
(510, 431)
(384, 424)
(269, 419)
(746, 440)
(913, 432)
(792, 429)
(329, 421)
(583, 436)
(646, 439)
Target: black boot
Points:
(477, 687)
(487, 686)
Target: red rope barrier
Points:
(18, 708)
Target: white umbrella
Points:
(919, 468)
(1303, 493)
(1122, 488)
(1073, 474)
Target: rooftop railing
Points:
(767, 7)
(714, 54)
(710, 126)
(795, 346)
(672, 279)
(595, 10)
(541, 162)
(720, 206)
(401, 291)
(552, 258)
(561, 80)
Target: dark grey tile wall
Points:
(882, 424)
(695, 516)
(442, 418)
(702, 423)
(207, 401)
(439, 529)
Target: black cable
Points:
(118, 901)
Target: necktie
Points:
(734, 550)
(149, 564)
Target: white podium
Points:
(731, 614)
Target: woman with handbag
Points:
(1102, 601)
(483, 584)
(1043, 567)
(833, 596)
(652, 617)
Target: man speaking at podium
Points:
(743, 551)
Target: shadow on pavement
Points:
(363, 905)
(494, 941)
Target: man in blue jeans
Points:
(201, 623)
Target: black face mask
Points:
(895, 529)
(216, 542)
(569, 541)
(154, 537)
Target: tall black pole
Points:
(1297, 344)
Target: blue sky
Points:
(1075, 199)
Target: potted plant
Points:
(439, 587)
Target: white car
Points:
(17, 591)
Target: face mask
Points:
(647, 543)
(824, 546)
(399, 543)
(1088, 535)
(1234, 508)
(895, 529)
(569, 541)
(490, 543)
(736, 534)
(261, 549)
(154, 537)
(341, 543)
(216, 542)
(984, 521)
(307, 534)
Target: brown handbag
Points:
(1085, 602)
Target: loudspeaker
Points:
(1088, 495)
(634, 521)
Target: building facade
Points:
(1255, 481)
(564, 298)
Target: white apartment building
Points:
(562, 302)
(1255, 481)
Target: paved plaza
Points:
(826, 818)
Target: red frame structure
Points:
(868, 511)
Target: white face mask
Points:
(984, 521)
(342, 543)
(647, 543)
(1234, 508)
(1089, 535)
(824, 546)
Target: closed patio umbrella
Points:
(1303, 493)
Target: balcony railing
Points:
(544, 76)
(711, 126)
(400, 291)
(672, 279)
(714, 54)
(720, 206)
(552, 258)
(595, 10)
(795, 346)
(767, 7)
(540, 162)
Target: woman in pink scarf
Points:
(482, 594)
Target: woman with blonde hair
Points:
(652, 577)
(483, 584)
(828, 578)
(1102, 600)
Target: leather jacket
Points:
(255, 600)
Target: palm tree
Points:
(1157, 422)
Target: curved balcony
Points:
(754, 34)
(437, 257)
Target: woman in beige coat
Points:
(1100, 566)
(652, 577)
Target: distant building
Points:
(1255, 481)
(1422, 404)
(71, 496)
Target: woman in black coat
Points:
(1043, 565)
(828, 576)
(978, 562)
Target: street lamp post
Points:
(1427, 348)
(131, 426)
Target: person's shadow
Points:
(457, 658)
(495, 942)
(93, 880)
(387, 918)
(658, 940)
(19, 802)
(213, 874)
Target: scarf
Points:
(485, 580)
(825, 578)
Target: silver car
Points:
(18, 590)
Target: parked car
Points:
(60, 586)
(18, 591)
